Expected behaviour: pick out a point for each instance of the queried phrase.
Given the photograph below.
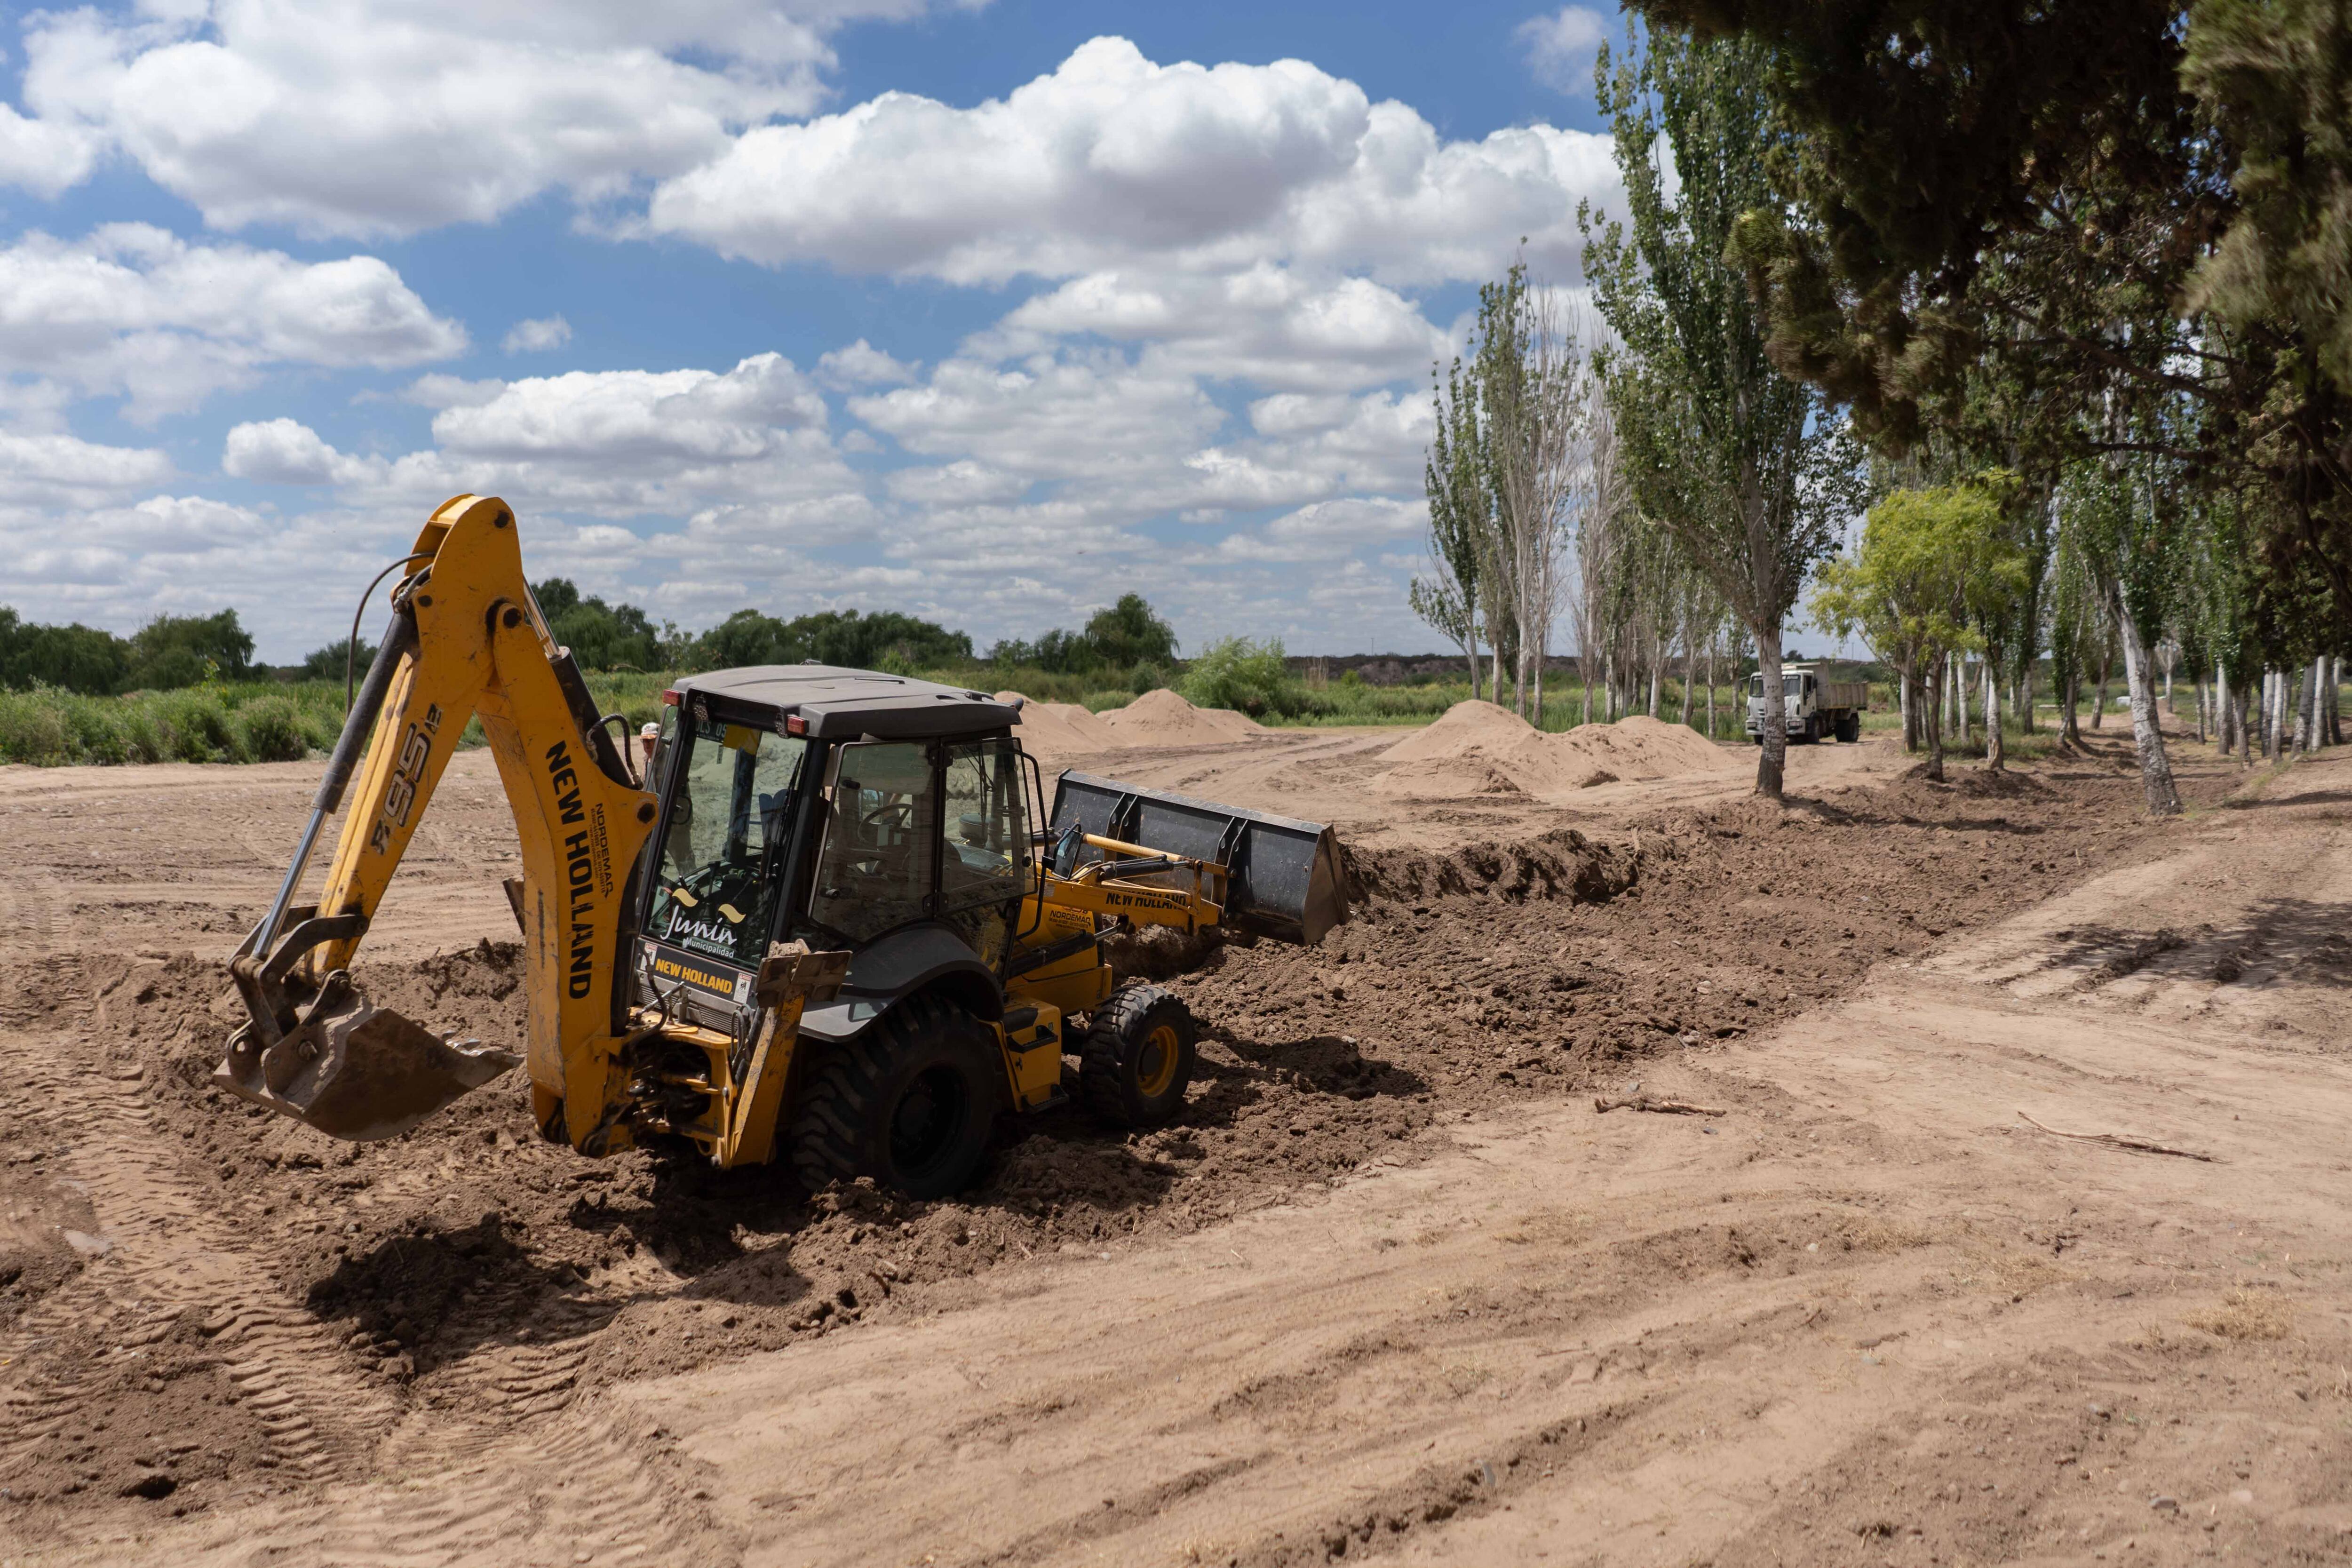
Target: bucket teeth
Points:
(356, 1071)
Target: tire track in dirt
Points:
(509, 1448)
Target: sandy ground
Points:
(1393, 1289)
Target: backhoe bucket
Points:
(356, 1071)
(1284, 877)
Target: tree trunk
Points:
(1471, 649)
(2025, 700)
(1936, 715)
(2107, 668)
(2225, 725)
(2246, 728)
(1996, 755)
(2070, 727)
(2147, 738)
(1772, 763)
(1711, 647)
(2307, 720)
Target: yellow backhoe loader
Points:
(832, 920)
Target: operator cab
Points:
(841, 806)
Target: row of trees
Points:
(1128, 638)
(2074, 278)
(168, 652)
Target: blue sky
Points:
(989, 312)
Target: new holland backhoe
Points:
(831, 920)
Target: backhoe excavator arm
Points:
(465, 641)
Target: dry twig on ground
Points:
(2118, 1141)
(1664, 1107)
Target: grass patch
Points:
(2245, 1315)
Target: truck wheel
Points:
(1137, 1060)
(1849, 729)
(910, 1105)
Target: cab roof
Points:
(838, 704)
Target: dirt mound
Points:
(1465, 727)
(1060, 728)
(1161, 718)
(1478, 747)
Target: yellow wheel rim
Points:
(1155, 1064)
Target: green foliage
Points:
(1906, 592)
(600, 636)
(2036, 194)
(1745, 467)
(1454, 479)
(246, 722)
(1131, 633)
(328, 662)
(1125, 636)
(1236, 672)
(72, 658)
(885, 640)
(172, 651)
(271, 729)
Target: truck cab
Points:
(1813, 708)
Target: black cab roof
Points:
(836, 704)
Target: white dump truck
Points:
(1817, 707)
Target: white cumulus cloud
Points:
(1113, 160)
(537, 335)
(1560, 47)
(133, 310)
(374, 117)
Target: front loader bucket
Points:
(1284, 881)
(356, 1071)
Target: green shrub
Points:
(271, 729)
(1236, 672)
(195, 727)
(33, 728)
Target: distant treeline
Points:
(169, 651)
(1126, 643)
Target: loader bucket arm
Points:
(1282, 877)
(465, 641)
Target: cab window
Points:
(881, 830)
(985, 862)
(723, 845)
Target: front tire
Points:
(1137, 1057)
(910, 1105)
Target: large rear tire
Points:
(1138, 1057)
(910, 1105)
(1849, 729)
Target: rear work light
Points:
(669, 698)
(795, 725)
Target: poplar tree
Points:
(1748, 470)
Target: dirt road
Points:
(1394, 1289)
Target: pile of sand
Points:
(1163, 719)
(1478, 747)
(1062, 728)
